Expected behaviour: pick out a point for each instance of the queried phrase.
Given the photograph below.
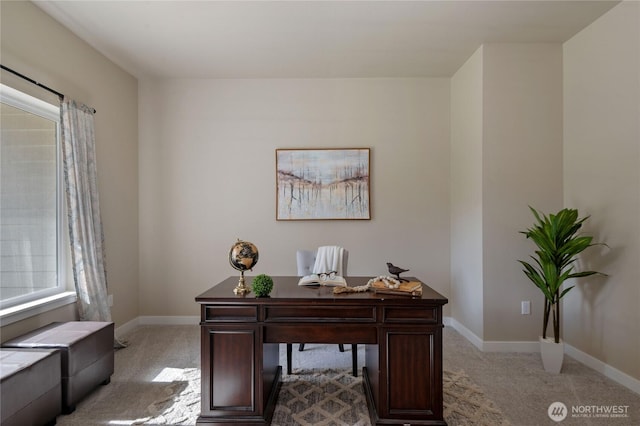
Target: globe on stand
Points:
(243, 256)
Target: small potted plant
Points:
(558, 245)
(262, 285)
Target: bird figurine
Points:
(395, 270)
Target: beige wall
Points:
(521, 166)
(37, 46)
(602, 179)
(506, 148)
(466, 195)
(207, 177)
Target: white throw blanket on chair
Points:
(329, 258)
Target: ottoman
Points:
(30, 390)
(86, 349)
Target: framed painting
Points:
(317, 184)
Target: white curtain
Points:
(83, 210)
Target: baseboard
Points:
(523, 346)
(169, 320)
(606, 370)
(492, 346)
(127, 327)
(156, 320)
(464, 331)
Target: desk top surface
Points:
(286, 288)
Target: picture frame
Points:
(323, 184)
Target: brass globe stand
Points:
(241, 289)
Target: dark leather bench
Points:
(30, 388)
(87, 355)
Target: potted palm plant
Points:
(558, 245)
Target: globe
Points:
(243, 256)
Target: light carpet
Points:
(317, 398)
(157, 382)
(154, 373)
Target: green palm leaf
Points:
(558, 245)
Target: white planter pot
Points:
(552, 355)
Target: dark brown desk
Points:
(240, 337)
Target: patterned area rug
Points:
(327, 397)
(466, 404)
(323, 398)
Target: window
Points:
(32, 251)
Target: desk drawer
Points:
(320, 333)
(323, 313)
(407, 314)
(247, 313)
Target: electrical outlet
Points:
(110, 300)
(525, 307)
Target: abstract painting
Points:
(322, 184)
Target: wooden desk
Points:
(240, 337)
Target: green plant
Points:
(558, 242)
(262, 285)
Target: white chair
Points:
(305, 260)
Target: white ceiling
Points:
(312, 39)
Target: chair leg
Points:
(301, 347)
(341, 347)
(354, 359)
(289, 349)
